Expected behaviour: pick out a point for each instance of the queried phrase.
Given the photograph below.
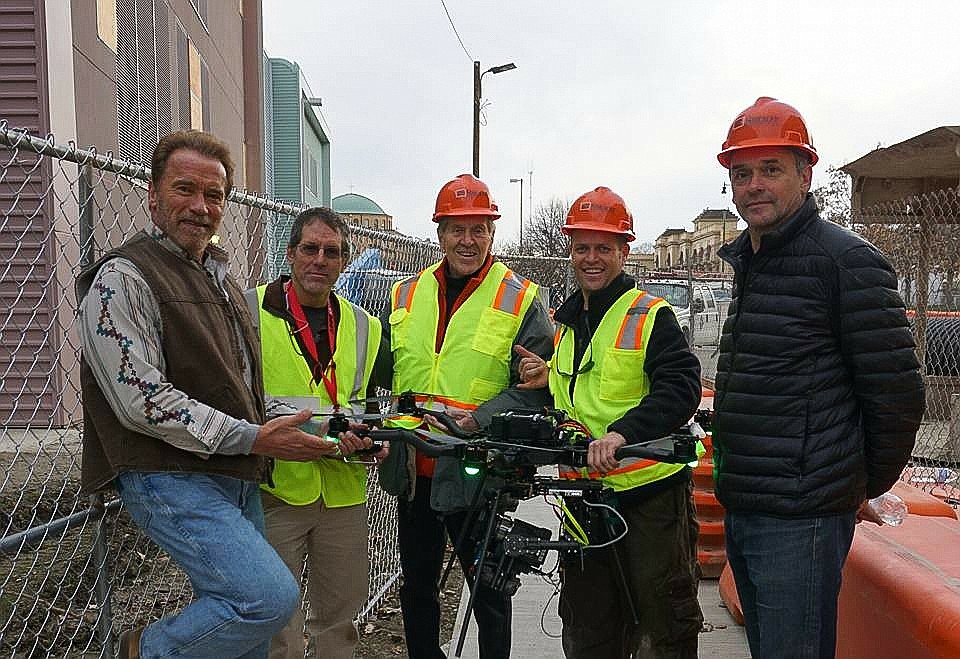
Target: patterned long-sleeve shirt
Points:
(122, 337)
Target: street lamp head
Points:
(503, 67)
(516, 180)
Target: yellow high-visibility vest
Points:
(610, 381)
(473, 364)
(287, 377)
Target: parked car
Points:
(702, 320)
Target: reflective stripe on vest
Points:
(510, 294)
(403, 293)
(473, 364)
(615, 384)
(287, 378)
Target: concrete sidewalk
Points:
(536, 624)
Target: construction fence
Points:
(74, 571)
(921, 237)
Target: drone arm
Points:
(430, 444)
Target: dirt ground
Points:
(382, 634)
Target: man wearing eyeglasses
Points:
(318, 353)
(450, 334)
(622, 367)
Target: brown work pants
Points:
(659, 562)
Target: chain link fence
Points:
(921, 237)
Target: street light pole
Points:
(477, 80)
(723, 227)
(520, 181)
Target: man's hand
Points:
(533, 370)
(600, 452)
(382, 454)
(351, 441)
(282, 438)
(462, 418)
(866, 513)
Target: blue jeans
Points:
(788, 575)
(212, 527)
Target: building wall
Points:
(28, 350)
(95, 84)
(316, 151)
(161, 26)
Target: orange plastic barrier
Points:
(728, 593)
(711, 549)
(901, 591)
(922, 503)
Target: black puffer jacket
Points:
(818, 396)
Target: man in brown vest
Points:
(174, 411)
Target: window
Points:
(144, 103)
(107, 23)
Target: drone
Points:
(506, 457)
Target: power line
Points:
(447, 12)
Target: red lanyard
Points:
(329, 374)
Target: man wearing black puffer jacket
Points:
(819, 395)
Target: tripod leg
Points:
(465, 530)
(492, 508)
(623, 577)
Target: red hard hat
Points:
(601, 209)
(768, 122)
(463, 196)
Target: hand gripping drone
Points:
(505, 461)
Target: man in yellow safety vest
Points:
(450, 336)
(318, 352)
(622, 367)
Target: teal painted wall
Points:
(301, 154)
(287, 173)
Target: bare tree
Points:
(833, 198)
(543, 257)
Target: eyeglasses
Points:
(311, 250)
(586, 362)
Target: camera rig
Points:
(505, 460)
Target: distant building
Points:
(362, 211)
(679, 249)
(639, 263)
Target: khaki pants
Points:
(333, 542)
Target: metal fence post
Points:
(85, 194)
(101, 585)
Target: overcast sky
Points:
(631, 94)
